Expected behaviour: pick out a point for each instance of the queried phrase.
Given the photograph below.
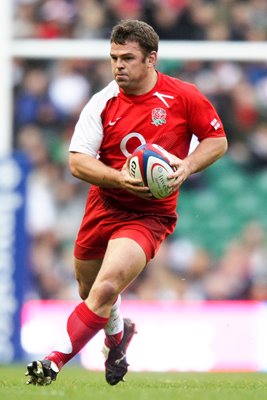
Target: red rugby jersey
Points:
(113, 124)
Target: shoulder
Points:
(109, 91)
(179, 87)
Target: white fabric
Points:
(88, 133)
(115, 323)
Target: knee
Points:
(104, 293)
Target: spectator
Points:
(92, 17)
(257, 146)
(32, 103)
(25, 19)
(69, 89)
(56, 19)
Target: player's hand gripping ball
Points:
(150, 163)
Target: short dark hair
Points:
(129, 30)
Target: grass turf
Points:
(75, 383)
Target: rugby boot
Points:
(40, 373)
(116, 365)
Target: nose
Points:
(119, 63)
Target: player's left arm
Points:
(206, 153)
(204, 121)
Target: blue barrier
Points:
(14, 170)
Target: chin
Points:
(122, 84)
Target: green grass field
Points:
(75, 383)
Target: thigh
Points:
(123, 261)
(85, 273)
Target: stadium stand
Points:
(222, 212)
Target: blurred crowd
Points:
(173, 19)
(49, 95)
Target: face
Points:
(133, 72)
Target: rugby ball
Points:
(150, 163)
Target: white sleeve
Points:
(88, 133)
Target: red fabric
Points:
(112, 341)
(113, 124)
(103, 221)
(82, 325)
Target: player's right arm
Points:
(93, 171)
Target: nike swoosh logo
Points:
(111, 123)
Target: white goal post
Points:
(170, 50)
(98, 49)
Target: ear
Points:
(152, 59)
